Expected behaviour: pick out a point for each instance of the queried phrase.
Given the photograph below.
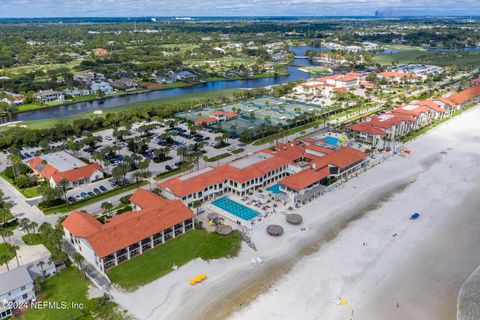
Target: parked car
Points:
(97, 191)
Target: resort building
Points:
(291, 164)
(463, 98)
(57, 166)
(386, 126)
(395, 124)
(313, 180)
(153, 221)
(16, 288)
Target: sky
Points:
(123, 8)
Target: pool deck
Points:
(262, 199)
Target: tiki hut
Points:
(212, 216)
(294, 218)
(274, 230)
(224, 230)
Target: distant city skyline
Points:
(122, 8)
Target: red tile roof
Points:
(144, 198)
(206, 120)
(231, 114)
(314, 147)
(366, 127)
(465, 95)
(285, 154)
(49, 171)
(342, 158)
(217, 113)
(127, 228)
(77, 173)
(81, 224)
(412, 110)
(431, 104)
(305, 178)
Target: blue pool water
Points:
(235, 208)
(275, 189)
(332, 140)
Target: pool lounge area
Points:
(275, 189)
(235, 208)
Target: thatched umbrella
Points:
(275, 230)
(224, 229)
(212, 216)
(294, 218)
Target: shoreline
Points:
(123, 94)
(234, 285)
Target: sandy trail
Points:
(304, 273)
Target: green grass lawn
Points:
(237, 151)
(218, 157)
(5, 251)
(50, 123)
(29, 107)
(400, 58)
(31, 192)
(170, 173)
(179, 251)
(85, 98)
(34, 239)
(71, 286)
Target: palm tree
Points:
(63, 184)
(107, 206)
(196, 204)
(34, 226)
(13, 249)
(137, 175)
(40, 264)
(78, 259)
(24, 224)
(15, 160)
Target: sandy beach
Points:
(359, 245)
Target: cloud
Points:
(104, 8)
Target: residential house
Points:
(76, 92)
(186, 76)
(125, 84)
(50, 96)
(89, 77)
(16, 288)
(101, 86)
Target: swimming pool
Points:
(275, 189)
(331, 140)
(235, 208)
